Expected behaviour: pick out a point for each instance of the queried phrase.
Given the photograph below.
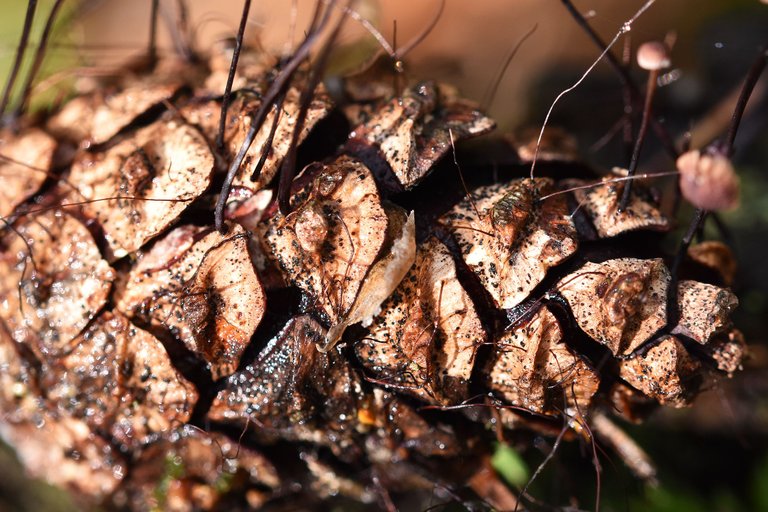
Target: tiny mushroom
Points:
(653, 56)
(708, 181)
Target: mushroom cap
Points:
(653, 56)
(708, 181)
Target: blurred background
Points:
(711, 457)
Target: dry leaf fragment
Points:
(384, 275)
(52, 265)
(66, 453)
(97, 119)
(665, 371)
(629, 403)
(601, 203)
(293, 391)
(75, 120)
(327, 481)
(19, 393)
(425, 340)
(240, 122)
(329, 242)
(253, 66)
(716, 256)
(25, 161)
(534, 369)
(201, 286)
(705, 310)
(196, 469)
(62, 450)
(119, 110)
(412, 130)
(620, 303)
(248, 211)
(140, 186)
(510, 239)
(557, 145)
(631, 453)
(398, 426)
(239, 117)
(119, 379)
(728, 349)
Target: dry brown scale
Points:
(148, 360)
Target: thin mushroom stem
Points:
(399, 66)
(288, 169)
(178, 29)
(697, 222)
(186, 43)
(749, 85)
(413, 43)
(231, 77)
(152, 45)
(20, 51)
(277, 108)
(652, 77)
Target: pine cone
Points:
(373, 334)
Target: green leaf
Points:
(508, 463)
(760, 486)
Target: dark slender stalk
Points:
(632, 169)
(278, 106)
(726, 147)
(39, 55)
(626, 96)
(187, 47)
(288, 168)
(152, 47)
(746, 91)
(697, 222)
(179, 30)
(231, 77)
(637, 98)
(398, 65)
(31, 6)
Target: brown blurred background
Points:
(466, 47)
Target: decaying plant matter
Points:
(175, 335)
